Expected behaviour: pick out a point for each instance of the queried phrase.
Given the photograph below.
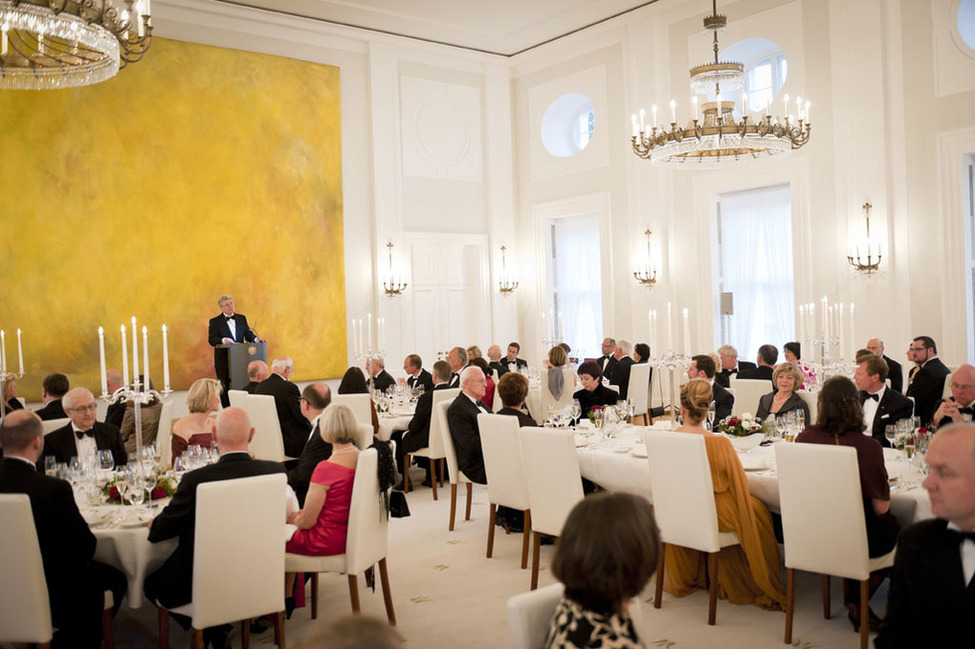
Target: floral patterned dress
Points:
(574, 626)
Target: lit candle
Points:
(636, 127)
(145, 358)
(125, 359)
(825, 304)
(20, 352)
(694, 107)
(852, 327)
(165, 334)
(3, 352)
(687, 333)
(673, 111)
(135, 351)
(369, 332)
(802, 315)
(807, 112)
(785, 104)
(544, 327)
(768, 107)
(653, 109)
(101, 360)
(670, 330)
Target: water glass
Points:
(576, 409)
(49, 462)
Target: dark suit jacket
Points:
(172, 584)
(794, 402)
(316, 450)
(115, 414)
(895, 374)
(287, 400)
(893, 407)
(945, 420)
(462, 421)
(424, 378)
(523, 418)
(250, 387)
(498, 367)
(53, 410)
(61, 444)
(607, 366)
(927, 387)
(724, 401)
(723, 377)
(929, 604)
(216, 332)
(621, 375)
(417, 434)
(383, 381)
(759, 372)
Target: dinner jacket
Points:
(462, 422)
(927, 387)
(52, 410)
(621, 375)
(115, 414)
(795, 402)
(454, 381)
(895, 373)
(929, 604)
(287, 401)
(61, 444)
(251, 386)
(172, 584)
(724, 376)
(607, 363)
(316, 450)
(893, 407)
(524, 419)
(216, 332)
(498, 367)
(382, 381)
(417, 434)
(520, 364)
(724, 401)
(424, 378)
(758, 372)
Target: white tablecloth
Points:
(390, 423)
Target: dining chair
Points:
(747, 394)
(434, 451)
(51, 425)
(823, 523)
(360, 404)
(554, 483)
(164, 435)
(238, 523)
(639, 391)
(505, 474)
(455, 475)
(565, 399)
(683, 503)
(812, 400)
(238, 398)
(267, 443)
(946, 390)
(366, 543)
(364, 436)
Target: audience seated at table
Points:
(749, 572)
(314, 399)
(257, 372)
(83, 436)
(621, 373)
(513, 390)
(381, 379)
(354, 382)
(149, 414)
(729, 365)
(839, 420)
(882, 406)
(489, 385)
(607, 552)
(786, 378)
(928, 381)
(593, 392)
(768, 356)
(196, 428)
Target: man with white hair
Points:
(894, 371)
(462, 421)
(83, 436)
(381, 379)
(960, 406)
(287, 401)
(621, 371)
(730, 365)
(226, 329)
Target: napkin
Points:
(754, 462)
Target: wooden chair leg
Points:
(713, 590)
(659, 589)
(453, 504)
(245, 634)
(279, 630)
(433, 476)
(490, 545)
(108, 629)
(526, 534)
(470, 494)
(536, 546)
(864, 613)
(354, 593)
(443, 472)
(314, 595)
(197, 638)
(790, 596)
(406, 473)
(163, 631)
(387, 593)
(825, 596)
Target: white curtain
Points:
(578, 282)
(756, 265)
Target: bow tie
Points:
(963, 536)
(228, 318)
(80, 434)
(867, 395)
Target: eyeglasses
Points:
(89, 408)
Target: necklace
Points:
(345, 450)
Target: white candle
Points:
(785, 105)
(369, 332)
(744, 104)
(561, 331)
(145, 358)
(165, 358)
(642, 123)
(20, 352)
(636, 127)
(687, 333)
(673, 111)
(670, 329)
(839, 329)
(101, 360)
(694, 107)
(650, 327)
(3, 352)
(135, 351)
(807, 112)
(125, 359)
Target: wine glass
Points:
(136, 488)
(49, 462)
(890, 432)
(576, 409)
(800, 420)
(712, 413)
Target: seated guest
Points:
(768, 356)
(730, 365)
(928, 381)
(314, 399)
(494, 358)
(641, 353)
(256, 372)
(930, 603)
(593, 392)
(381, 379)
(792, 354)
(196, 428)
(10, 400)
(621, 372)
(839, 420)
(860, 353)
(607, 552)
(149, 413)
(511, 360)
(786, 378)
(115, 412)
(749, 572)
(513, 389)
(474, 352)
(961, 404)
(894, 372)
(702, 367)
(416, 376)
(417, 434)
(882, 406)
(172, 584)
(83, 436)
(462, 422)
(554, 377)
(488, 398)
(457, 359)
(607, 361)
(76, 585)
(354, 382)
(287, 404)
(55, 386)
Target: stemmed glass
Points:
(712, 413)
(576, 409)
(890, 432)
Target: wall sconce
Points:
(393, 285)
(871, 261)
(507, 284)
(647, 274)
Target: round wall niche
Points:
(568, 125)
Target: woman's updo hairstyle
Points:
(695, 396)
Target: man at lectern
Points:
(225, 329)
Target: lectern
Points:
(239, 356)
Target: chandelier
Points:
(507, 284)
(393, 285)
(712, 138)
(867, 263)
(647, 274)
(47, 44)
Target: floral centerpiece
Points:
(740, 426)
(162, 486)
(595, 413)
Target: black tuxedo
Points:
(172, 584)
(217, 330)
(523, 418)
(724, 401)
(927, 387)
(382, 381)
(250, 387)
(424, 378)
(759, 372)
(962, 409)
(61, 443)
(893, 407)
(316, 450)
(723, 377)
(895, 374)
(287, 401)
(454, 381)
(76, 585)
(621, 375)
(417, 435)
(607, 363)
(519, 364)
(929, 604)
(498, 367)
(52, 410)
(115, 414)
(462, 421)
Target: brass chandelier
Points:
(713, 138)
(46, 44)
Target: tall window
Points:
(574, 278)
(755, 260)
(969, 216)
(764, 80)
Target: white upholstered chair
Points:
(568, 388)
(554, 483)
(812, 400)
(505, 473)
(228, 511)
(51, 425)
(823, 524)
(238, 398)
(747, 394)
(456, 475)
(364, 436)
(360, 404)
(683, 503)
(366, 543)
(267, 443)
(164, 435)
(639, 391)
(435, 450)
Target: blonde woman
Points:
(196, 428)
(786, 378)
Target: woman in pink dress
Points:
(196, 429)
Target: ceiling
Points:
(502, 27)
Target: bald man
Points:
(256, 372)
(172, 584)
(960, 406)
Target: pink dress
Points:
(329, 533)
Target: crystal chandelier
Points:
(712, 138)
(47, 44)
(507, 284)
(393, 285)
(871, 261)
(647, 274)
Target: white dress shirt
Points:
(870, 410)
(86, 445)
(232, 324)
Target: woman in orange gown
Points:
(748, 573)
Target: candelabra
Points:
(646, 276)
(393, 286)
(672, 362)
(870, 264)
(507, 284)
(137, 398)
